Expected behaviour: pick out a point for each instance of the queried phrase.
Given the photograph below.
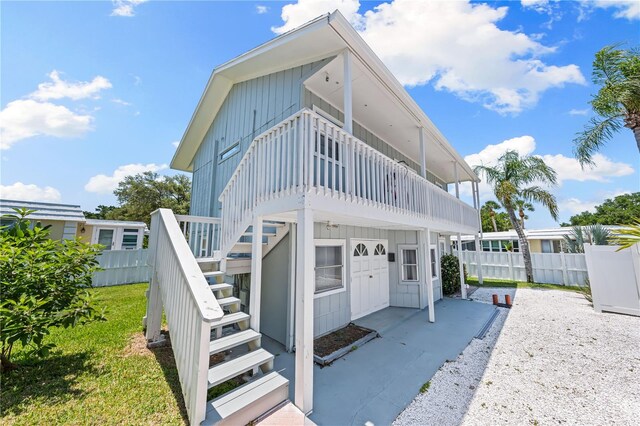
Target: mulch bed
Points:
(345, 337)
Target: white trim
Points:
(326, 115)
(437, 271)
(321, 242)
(402, 247)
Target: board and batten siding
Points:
(250, 108)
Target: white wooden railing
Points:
(189, 305)
(201, 233)
(307, 153)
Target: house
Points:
(67, 221)
(319, 196)
(549, 240)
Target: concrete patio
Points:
(376, 382)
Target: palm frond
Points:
(542, 196)
(626, 237)
(594, 136)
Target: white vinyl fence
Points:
(615, 278)
(548, 268)
(122, 267)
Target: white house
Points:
(319, 196)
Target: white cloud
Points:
(125, 7)
(579, 111)
(568, 168)
(456, 46)
(25, 118)
(103, 184)
(29, 192)
(175, 143)
(624, 9)
(58, 89)
(574, 205)
(261, 9)
(120, 102)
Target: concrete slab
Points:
(386, 319)
(374, 383)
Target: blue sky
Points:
(93, 91)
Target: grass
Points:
(425, 387)
(494, 282)
(100, 373)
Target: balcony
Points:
(308, 161)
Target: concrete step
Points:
(249, 401)
(233, 340)
(220, 373)
(229, 301)
(230, 319)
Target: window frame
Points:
(401, 249)
(330, 243)
(435, 265)
(234, 146)
(130, 231)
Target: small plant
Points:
(580, 235)
(43, 283)
(627, 237)
(586, 290)
(424, 388)
(450, 274)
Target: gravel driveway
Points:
(550, 359)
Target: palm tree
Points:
(513, 178)
(492, 206)
(617, 103)
(596, 235)
(523, 205)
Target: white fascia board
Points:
(361, 49)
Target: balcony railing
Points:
(306, 153)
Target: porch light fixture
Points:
(82, 230)
(331, 225)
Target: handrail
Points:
(308, 153)
(202, 234)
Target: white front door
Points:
(369, 277)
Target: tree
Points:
(522, 205)
(621, 210)
(579, 236)
(43, 283)
(102, 212)
(617, 103)
(141, 194)
(512, 179)
(492, 220)
(627, 237)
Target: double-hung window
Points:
(409, 259)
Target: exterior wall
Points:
(57, 228)
(535, 246)
(360, 132)
(275, 291)
(250, 108)
(88, 232)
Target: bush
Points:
(450, 274)
(43, 283)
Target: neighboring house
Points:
(319, 196)
(67, 221)
(550, 240)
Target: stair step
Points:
(249, 401)
(222, 372)
(229, 319)
(227, 301)
(202, 260)
(220, 287)
(231, 341)
(264, 234)
(213, 274)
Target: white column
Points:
(455, 176)
(423, 153)
(255, 291)
(463, 285)
(426, 243)
(305, 283)
(348, 93)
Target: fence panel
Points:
(549, 268)
(122, 267)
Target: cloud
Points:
(456, 46)
(58, 89)
(575, 205)
(29, 192)
(622, 9)
(579, 111)
(261, 9)
(175, 143)
(125, 7)
(103, 184)
(25, 118)
(568, 168)
(120, 102)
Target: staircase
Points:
(234, 349)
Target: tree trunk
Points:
(492, 214)
(524, 244)
(636, 133)
(632, 121)
(6, 365)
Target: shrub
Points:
(43, 283)
(450, 274)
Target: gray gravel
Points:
(485, 295)
(555, 360)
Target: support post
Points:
(426, 243)
(463, 285)
(153, 319)
(348, 93)
(455, 176)
(291, 315)
(423, 153)
(305, 263)
(255, 292)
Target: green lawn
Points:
(494, 282)
(101, 373)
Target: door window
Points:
(105, 238)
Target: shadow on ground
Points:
(52, 379)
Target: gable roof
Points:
(44, 211)
(325, 36)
